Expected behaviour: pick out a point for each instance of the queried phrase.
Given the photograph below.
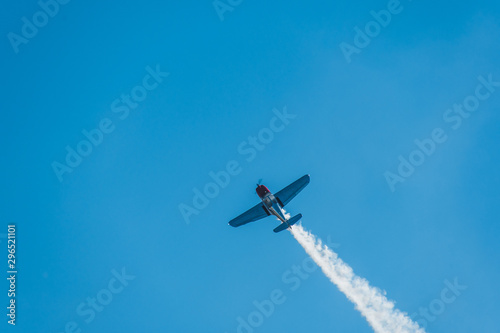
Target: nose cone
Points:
(261, 190)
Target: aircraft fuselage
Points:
(271, 203)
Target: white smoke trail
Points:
(370, 301)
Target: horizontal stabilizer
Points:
(288, 223)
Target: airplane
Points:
(273, 204)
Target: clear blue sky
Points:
(119, 207)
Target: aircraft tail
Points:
(288, 223)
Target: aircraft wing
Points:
(253, 214)
(289, 192)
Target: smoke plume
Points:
(370, 301)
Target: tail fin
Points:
(288, 223)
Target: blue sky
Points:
(117, 211)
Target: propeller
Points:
(259, 182)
